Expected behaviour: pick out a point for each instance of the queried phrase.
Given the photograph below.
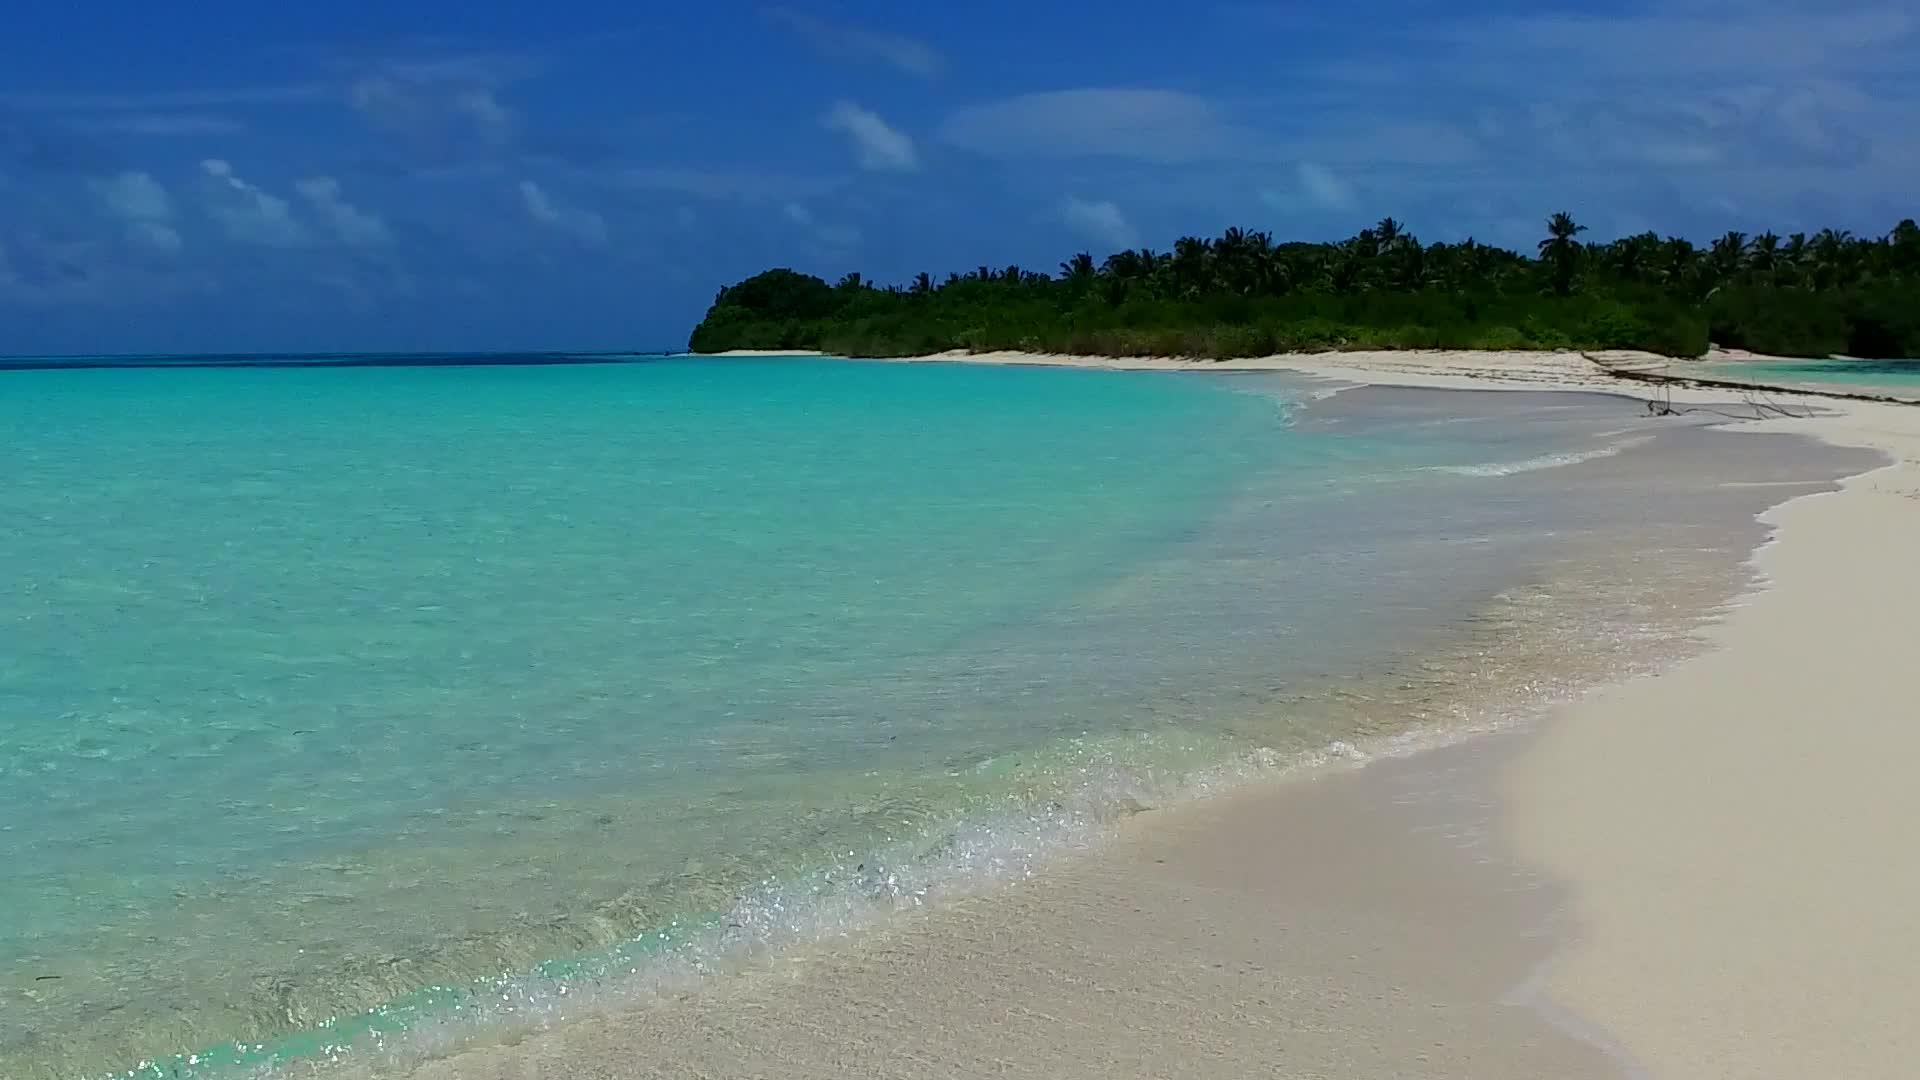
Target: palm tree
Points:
(1231, 265)
(1410, 270)
(1730, 253)
(1560, 249)
(1632, 256)
(922, 284)
(1344, 269)
(1389, 233)
(1903, 247)
(1764, 254)
(1156, 269)
(1561, 230)
(1275, 273)
(1467, 258)
(1829, 254)
(1677, 262)
(1192, 264)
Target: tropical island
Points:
(1242, 294)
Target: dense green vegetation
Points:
(1241, 294)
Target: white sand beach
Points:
(1734, 830)
(1426, 368)
(767, 352)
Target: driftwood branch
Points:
(1763, 407)
(1757, 397)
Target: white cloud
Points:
(1161, 126)
(1099, 221)
(438, 112)
(250, 214)
(383, 101)
(1323, 188)
(878, 146)
(493, 121)
(539, 207)
(584, 225)
(135, 196)
(1795, 112)
(144, 208)
(832, 236)
(154, 235)
(350, 224)
(857, 43)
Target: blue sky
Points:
(224, 176)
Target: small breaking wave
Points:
(1082, 791)
(1544, 461)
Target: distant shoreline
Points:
(1629, 372)
(1415, 368)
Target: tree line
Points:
(1243, 294)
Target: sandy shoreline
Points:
(1424, 369)
(1692, 874)
(1262, 934)
(1433, 369)
(1731, 830)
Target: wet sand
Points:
(1360, 924)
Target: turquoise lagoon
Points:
(343, 703)
(1897, 378)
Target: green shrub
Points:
(1502, 337)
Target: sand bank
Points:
(766, 352)
(1431, 368)
(1735, 831)
(1457, 369)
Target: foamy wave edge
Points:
(1544, 461)
(856, 893)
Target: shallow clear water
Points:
(320, 687)
(1897, 377)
